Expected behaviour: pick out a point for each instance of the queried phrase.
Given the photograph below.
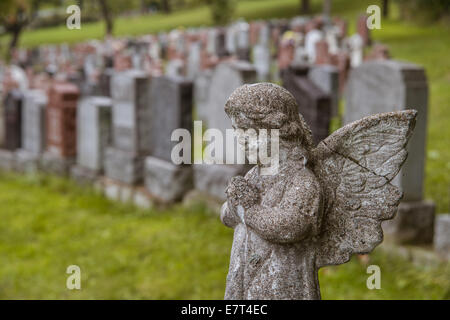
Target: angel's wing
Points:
(355, 166)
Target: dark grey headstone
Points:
(131, 115)
(313, 103)
(171, 109)
(13, 120)
(387, 85)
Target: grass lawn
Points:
(49, 223)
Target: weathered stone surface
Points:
(313, 103)
(26, 161)
(413, 224)
(171, 109)
(33, 121)
(55, 164)
(131, 114)
(388, 85)
(94, 132)
(326, 77)
(83, 175)
(201, 94)
(319, 207)
(7, 160)
(226, 78)
(166, 181)
(123, 166)
(442, 235)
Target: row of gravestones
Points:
(126, 137)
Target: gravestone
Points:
(226, 78)
(442, 235)
(311, 38)
(104, 82)
(33, 121)
(201, 93)
(262, 61)
(313, 103)
(320, 207)
(243, 41)
(194, 59)
(326, 77)
(171, 109)
(389, 85)
(322, 52)
(124, 161)
(93, 137)
(363, 31)
(33, 130)
(61, 128)
(13, 120)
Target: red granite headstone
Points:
(363, 31)
(379, 52)
(322, 54)
(61, 119)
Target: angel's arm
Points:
(294, 218)
(228, 217)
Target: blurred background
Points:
(181, 251)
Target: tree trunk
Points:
(107, 16)
(385, 8)
(15, 35)
(165, 6)
(304, 7)
(327, 8)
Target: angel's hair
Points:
(269, 106)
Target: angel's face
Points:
(255, 142)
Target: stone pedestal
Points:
(7, 160)
(214, 179)
(442, 235)
(166, 181)
(413, 224)
(83, 175)
(27, 161)
(124, 166)
(56, 164)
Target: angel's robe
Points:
(273, 254)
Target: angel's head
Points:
(268, 106)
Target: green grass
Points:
(49, 223)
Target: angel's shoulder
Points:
(303, 181)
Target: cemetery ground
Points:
(49, 223)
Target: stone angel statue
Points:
(325, 202)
